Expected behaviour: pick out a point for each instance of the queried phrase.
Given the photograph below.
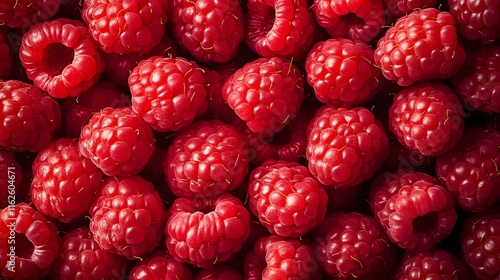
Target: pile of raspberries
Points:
(256, 139)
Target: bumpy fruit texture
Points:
(81, 257)
(210, 30)
(266, 93)
(342, 72)
(427, 117)
(345, 146)
(477, 20)
(206, 159)
(422, 45)
(28, 117)
(351, 245)
(279, 27)
(470, 171)
(478, 83)
(13, 178)
(60, 57)
(117, 141)
(128, 217)
(413, 209)
(64, 182)
(399, 8)
(286, 198)
(219, 272)
(36, 243)
(167, 92)
(160, 265)
(126, 26)
(206, 231)
(480, 244)
(356, 20)
(25, 13)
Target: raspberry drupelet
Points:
(399, 8)
(60, 57)
(477, 20)
(160, 265)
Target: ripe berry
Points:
(167, 92)
(28, 117)
(160, 265)
(117, 141)
(128, 217)
(64, 182)
(60, 57)
(477, 20)
(422, 45)
(413, 209)
(399, 8)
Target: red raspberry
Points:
(5, 54)
(64, 182)
(420, 46)
(413, 209)
(265, 93)
(427, 118)
(432, 264)
(36, 243)
(219, 272)
(206, 231)
(13, 178)
(470, 171)
(399, 8)
(78, 111)
(60, 57)
(128, 217)
(80, 257)
(477, 19)
(478, 83)
(342, 72)
(126, 26)
(168, 93)
(28, 117)
(480, 243)
(356, 20)
(345, 147)
(119, 66)
(25, 13)
(160, 265)
(210, 30)
(286, 198)
(117, 141)
(350, 245)
(205, 159)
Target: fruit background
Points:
(253, 139)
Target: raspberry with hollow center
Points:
(160, 265)
(64, 63)
(477, 19)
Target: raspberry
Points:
(80, 257)
(64, 182)
(36, 243)
(205, 159)
(432, 264)
(117, 141)
(342, 72)
(422, 45)
(206, 231)
(13, 178)
(413, 209)
(479, 240)
(78, 111)
(168, 93)
(345, 147)
(356, 20)
(25, 13)
(286, 198)
(470, 171)
(266, 93)
(219, 272)
(399, 8)
(478, 83)
(128, 217)
(5, 54)
(160, 265)
(210, 30)
(28, 117)
(351, 245)
(126, 26)
(60, 57)
(477, 20)
(279, 27)
(427, 118)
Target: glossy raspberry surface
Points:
(477, 20)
